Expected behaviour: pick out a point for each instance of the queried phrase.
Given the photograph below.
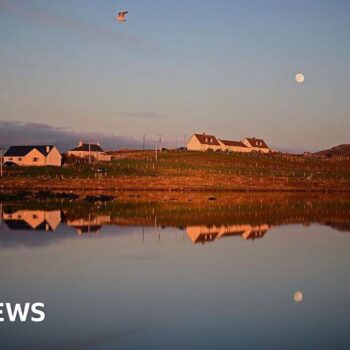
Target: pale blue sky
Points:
(178, 67)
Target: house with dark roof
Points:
(234, 146)
(90, 150)
(257, 145)
(43, 155)
(203, 142)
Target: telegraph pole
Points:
(184, 140)
(89, 152)
(1, 162)
(160, 142)
(156, 149)
(143, 142)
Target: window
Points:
(19, 159)
(35, 216)
(211, 140)
(35, 159)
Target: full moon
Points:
(298, 297)
(300, 78)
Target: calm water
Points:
(234, 273)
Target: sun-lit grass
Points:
(194, 170)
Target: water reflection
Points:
(247, 218)
(105, 269)
(203, 234)
(90, 224)
(37, 220)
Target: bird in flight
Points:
(121, 16)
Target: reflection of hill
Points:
(340, 226)
(247, 216)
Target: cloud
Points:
(18, 133)
(45, 18)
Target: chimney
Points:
(47, 149)
(203, 133)
(80, 143)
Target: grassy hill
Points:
(341, 150)
(189, 171)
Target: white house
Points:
(234, 146)
(203, 142)
(93, 150)
(257, 145)
(46, 155)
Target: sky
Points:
(177, 67)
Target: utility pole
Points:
(1, 162)
(143, 142)
(160, 142)
(89, 152)
(156, 148)
(184, 140)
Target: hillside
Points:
(189, 171)
(341, 150)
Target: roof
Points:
(92, 147)
(233, 143)
(23, 225)
(206, 139)
(21, 151)
(258, 143)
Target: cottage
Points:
(203, 142)
(257, 145)
(46, 155)
(234, 146)
(90, 150)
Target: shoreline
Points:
(150, 185)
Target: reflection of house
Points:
(39, 220)
(203, 142)
(33, 155)
(89, 225)
(202, 234)
(93, 150)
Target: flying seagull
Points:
(121, 16)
